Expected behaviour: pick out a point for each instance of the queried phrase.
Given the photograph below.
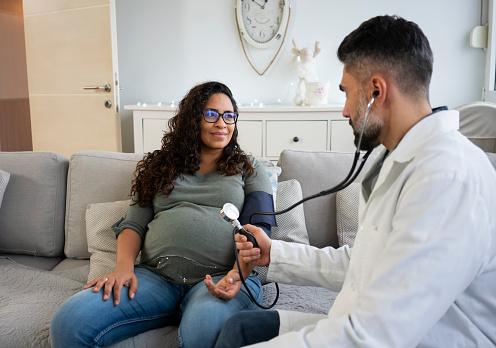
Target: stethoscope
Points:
(230, 213)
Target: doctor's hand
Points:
(254, 256)
(227, 287)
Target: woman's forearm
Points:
(245, 268)
(128, 247)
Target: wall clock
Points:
(262, 23)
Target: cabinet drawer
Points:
(342, 138)
(302, 135)
(250, 137)
(153, 131)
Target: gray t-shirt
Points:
(184, 235)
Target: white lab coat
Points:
(423, 268)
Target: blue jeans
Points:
(246, 328)
(85, 320)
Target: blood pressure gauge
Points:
(230, 213)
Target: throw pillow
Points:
(101, 239)
(290, 225)
(4, 180)
(347, 214)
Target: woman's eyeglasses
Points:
(212, 116)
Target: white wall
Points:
(165, 47)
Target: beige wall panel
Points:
(60, 124)
(43, 6)
(55, 64)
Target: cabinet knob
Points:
(296, 139)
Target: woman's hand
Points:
(227, 287)
(115, 281)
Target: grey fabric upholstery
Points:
(29, 298)
(73, 269)
(478, 123)
(94, 177)
(4, 181)
(492, 158)
(32, 214)
(318, 170)
(39, 262)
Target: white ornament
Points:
(303, 65)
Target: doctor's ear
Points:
(378, 86)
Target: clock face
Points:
(262, 20)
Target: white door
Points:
(69, 46)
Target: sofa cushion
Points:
(347, 202)
(39, 262)
(304, 299)
(4, 180)
(101, 239)
(94, 177)
(73, 269)
(29, 299)
(316, 170)
(290, 225)
(32, 213)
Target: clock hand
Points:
(256, 3)
(262, 6)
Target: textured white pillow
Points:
(291, 225)
(4, 180)
(347, 201)
(101, 239)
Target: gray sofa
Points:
(44, 255)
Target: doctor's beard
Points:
(373, 125)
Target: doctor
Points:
(423, 268)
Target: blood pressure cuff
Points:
(258, 201)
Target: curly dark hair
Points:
(181, 148)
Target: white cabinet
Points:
(263, 131)
(342, 138)
(153, 130)
(301, 135)
(250, 136)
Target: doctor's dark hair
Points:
(393, 46)
(181, 148)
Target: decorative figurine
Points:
(304, 64)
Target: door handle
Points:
(106, 88)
